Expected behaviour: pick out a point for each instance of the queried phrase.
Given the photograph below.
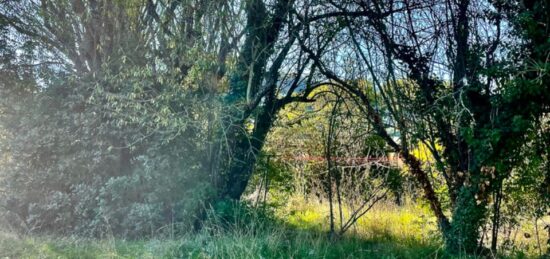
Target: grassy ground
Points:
(234, 244)
(386, 232)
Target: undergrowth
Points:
(386, 232)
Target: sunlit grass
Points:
(408, 231)
(384, 220)
(411, 227)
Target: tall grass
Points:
(299, 230)
(269, 243)
(412, 227)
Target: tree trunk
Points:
(242, 148)
(245, 153)
(429, 193)
(468, 217)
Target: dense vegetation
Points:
(213, 127)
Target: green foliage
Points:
(121, 147)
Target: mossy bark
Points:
(468, 215)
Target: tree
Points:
(128, 91)
(104, 113)
(452, 96)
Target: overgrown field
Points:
(388, 231)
